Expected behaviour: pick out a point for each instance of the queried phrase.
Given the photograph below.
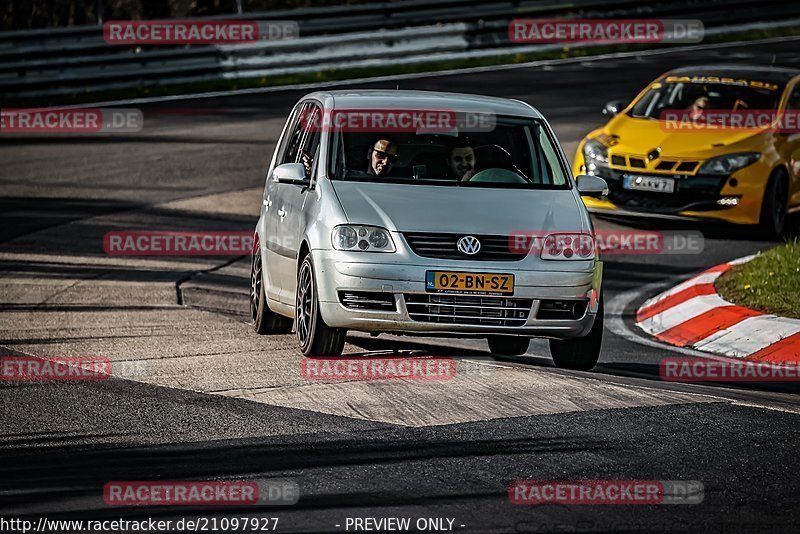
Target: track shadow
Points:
(78, 475)
(67, 250)
(25, 215)
(652, 372)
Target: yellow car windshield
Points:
(704, 95)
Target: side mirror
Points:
(591, 186)
(613, 107)
(291, 173)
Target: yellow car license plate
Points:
(475, 283)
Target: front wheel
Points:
(315, 337)
(582, 353)
(774, 206)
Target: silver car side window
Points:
(295, 139)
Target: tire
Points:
(582, 353)
(508, 345)
(315, 337)
(264, 320)
(773, 208)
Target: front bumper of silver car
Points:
(386, 296)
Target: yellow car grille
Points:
(658, 165)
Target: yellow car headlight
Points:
(595, 154)
(724, 165)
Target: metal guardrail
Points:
(63, 61)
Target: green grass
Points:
(770, 283)
(369, 72)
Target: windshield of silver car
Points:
(514, 152)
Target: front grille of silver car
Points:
(444, 246)
(468, 309)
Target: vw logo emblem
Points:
(469, 245)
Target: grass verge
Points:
(770, 283)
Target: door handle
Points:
(281, 213)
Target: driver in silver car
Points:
(461, 160)
(382, 157)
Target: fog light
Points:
(728, 201)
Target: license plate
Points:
(648, 183)
(474, 283)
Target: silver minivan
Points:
(376, 220)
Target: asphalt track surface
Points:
(197, 395)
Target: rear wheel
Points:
(773, 207)
(508, 345)
(315, 337)
(264, 320)
(582, 353)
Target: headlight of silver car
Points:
(727, 164)
(362, 238)
(594, 154)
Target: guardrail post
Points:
(98, 9)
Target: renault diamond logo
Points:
(469, 245)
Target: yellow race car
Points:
(664, 156)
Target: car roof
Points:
(419, 100)
(762, 73)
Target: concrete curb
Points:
(692, 314)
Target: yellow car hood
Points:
(626, 135)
